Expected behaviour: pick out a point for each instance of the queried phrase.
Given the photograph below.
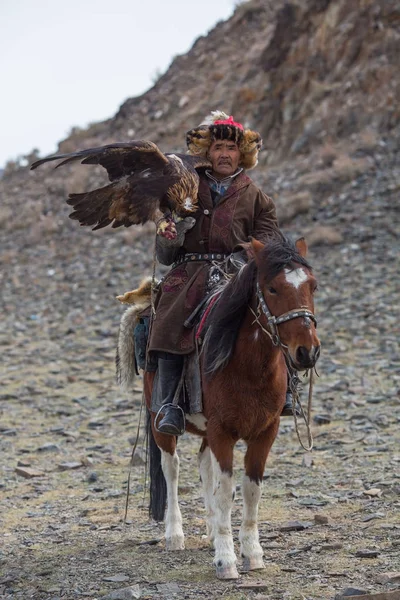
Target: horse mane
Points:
(227, 315)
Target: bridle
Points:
(273, 322)
(293, 379)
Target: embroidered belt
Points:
(196, 256)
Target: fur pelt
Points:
(199, 139)
(140, 299)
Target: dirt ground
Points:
(66, 435)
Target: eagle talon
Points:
(166, 228)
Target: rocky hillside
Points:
(320, 80)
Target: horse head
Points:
(285, 290)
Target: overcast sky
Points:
(66, 64)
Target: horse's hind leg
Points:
(206, 476)
(256, 456)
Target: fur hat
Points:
(219, 126)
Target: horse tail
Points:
(158, 486)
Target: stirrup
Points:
(170, 427)
(287, 410)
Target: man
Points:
(231, 209)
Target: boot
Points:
(169, 376)
(287, 410)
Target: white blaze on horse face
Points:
(296, 277)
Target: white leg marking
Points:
(198, 420)
(250, 548)
(296, 277)
(206, 474)
(225, 559)
(173, 518)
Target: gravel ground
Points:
(66, 431)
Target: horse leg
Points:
(221, 447)
(174, 537)
(255, 459)
(206, 476)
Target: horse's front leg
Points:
(255, 459)
(221, 447)
(174, 537)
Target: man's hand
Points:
(173, 234)
(166, 228)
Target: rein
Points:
(273, 334)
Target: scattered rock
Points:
(367, 553)
(295, 526)
(321, 519)
(349, 592)
(168, 588)
(28, 473)
(392, 577)
(69, 466)
(373, 492)
(49, 447)
(253, 585)
(380, 596)
(373, 516)
(128, 593)
(322, 419)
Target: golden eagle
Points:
(145, 184)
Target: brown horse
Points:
(262, 325)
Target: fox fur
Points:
(139, 299)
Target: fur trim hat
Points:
(219, 126)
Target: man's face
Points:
(225, 157)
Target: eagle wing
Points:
(194, 162)
(119, 160)
(141, 176)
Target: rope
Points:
(293, 383)
(307, 418)
(153, 312)
(153, 275)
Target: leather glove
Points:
(171, 234)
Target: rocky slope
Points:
(320, 80)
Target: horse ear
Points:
(256, 246)
(301, 247)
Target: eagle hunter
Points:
(145, 184)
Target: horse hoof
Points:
(175, 543)
(252, 564)
(229, 572)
